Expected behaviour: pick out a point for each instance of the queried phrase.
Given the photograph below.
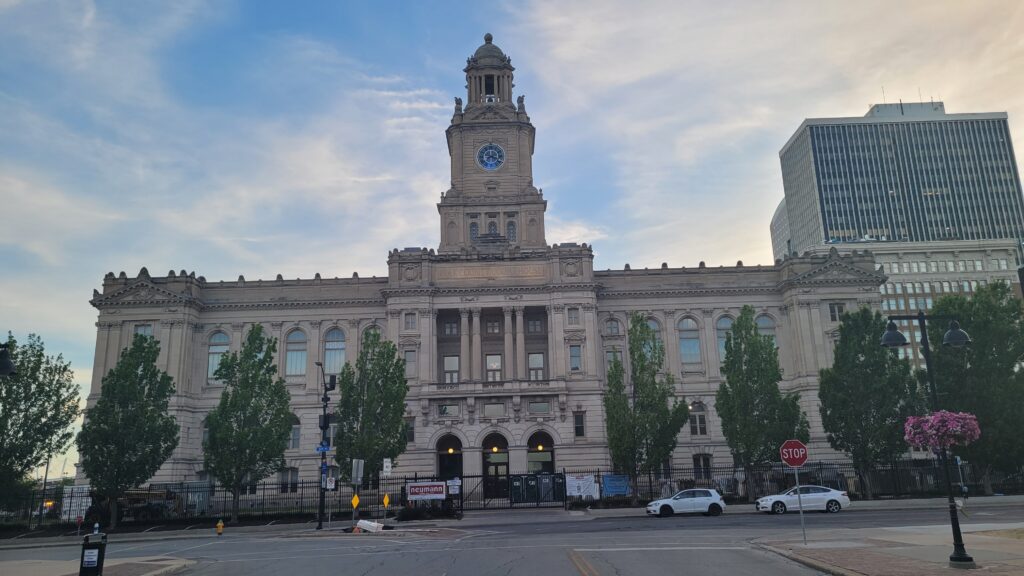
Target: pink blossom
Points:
(941, 429)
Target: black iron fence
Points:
(200, 502)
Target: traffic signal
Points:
(332, 383)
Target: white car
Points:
(813, 498)
(704, 501)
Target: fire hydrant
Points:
(220, 527)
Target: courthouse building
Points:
(506, 338)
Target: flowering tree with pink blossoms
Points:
(941, 430)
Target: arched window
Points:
(540, 456)
(689, 341)
(722, 328)
(510, 231)
(655, 326)
(371, 329)
(474, 230)
(295, 353)
(334, 351)
(449, 457)
(612, 327)
(492, 227)
(218, 347)
(765, 326)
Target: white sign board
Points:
(425, 491)
(90, 558)
(387, 467)
(582, 486)
(357, 471)
(332, 482)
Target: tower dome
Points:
(489, 54)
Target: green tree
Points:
(370, 412)
(128, 434)
(756, 416)
(866, 395)
(984, 378)
(250, 427)
(37, 408)
(642, 427)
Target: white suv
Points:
(702, 500)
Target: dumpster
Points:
(94, 548)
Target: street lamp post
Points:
(324, 427)
(954, 338)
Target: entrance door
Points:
(495, 465)
(449, 458)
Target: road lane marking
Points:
(584, 567)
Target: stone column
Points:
(464, 349)
(556, 341)
(506, 363)
(593, 350)
(428, 344)
(517, 458)
(476, 348)
(521, 372)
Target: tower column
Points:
(521, 372)
(464, 349)
(507, 365)
(476, 349)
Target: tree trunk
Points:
(986, 481)
(234, 505)
(113, 513)
(748, 479)
(634, 479)
(865, 480)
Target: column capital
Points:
(519, 310)
(507, 310)
(475, 311)
(559, 308)
(464, 312)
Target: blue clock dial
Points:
(490, 156)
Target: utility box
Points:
(94, 548)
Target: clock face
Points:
(490, 156)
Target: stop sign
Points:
(793, 453)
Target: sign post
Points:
(357, 480)
(794, 454)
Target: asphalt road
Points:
(633, 546)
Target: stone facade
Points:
(503, 334)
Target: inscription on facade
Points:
(492, 272)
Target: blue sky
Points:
(260, 138)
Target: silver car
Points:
(696, 500)
(813, 498)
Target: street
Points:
(531, 543)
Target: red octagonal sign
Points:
(793, 453)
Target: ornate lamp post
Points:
(325, 425)
(953, 338)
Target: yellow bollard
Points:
(220, 527)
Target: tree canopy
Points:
(370, 411)
(756, 416)
(642, 423)
(249, 429)
(37, 409)
(129, 434)
(867, 394)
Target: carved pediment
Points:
(141, 293)
(836, 272)
(489, 113)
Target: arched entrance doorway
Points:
(540, 456)
(494, 452)
(449, 457)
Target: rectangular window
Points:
(1002, 264)
(698, 425)
(536, 366)
(494, 367)
(978, 266)
(539, 407)
(410, 320)
(579, 424)
(914, 268)
(296, 437)
(450, 328)
(295, 362)
(410, 363)
(410, 430)
(610, 356)
(702, 466)
(494, 326)
(911, 303)
(899, 288)
(494, 410)
(945, 287)
(448, 410)
(289, 478)
(451, 369)
(144, 330)
(534, 326)
(575, 357)
(910, 287)
(950, 266)
(835, 310)
(574, 316)
(906, 267)
(933, 266)
(961, 265)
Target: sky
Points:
(262, 138)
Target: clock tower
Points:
(492, 207)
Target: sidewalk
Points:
(141, 566)
(906, 551)
(857, 505)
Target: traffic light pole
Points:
(324, 442)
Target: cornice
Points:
(661, 293)
(453, 291)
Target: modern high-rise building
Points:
(901, 173)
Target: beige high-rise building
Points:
(506, 338)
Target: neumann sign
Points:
(425, 491)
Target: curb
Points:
(809, 562)
(172, 569)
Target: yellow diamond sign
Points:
(355, 500)
(387, 500)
